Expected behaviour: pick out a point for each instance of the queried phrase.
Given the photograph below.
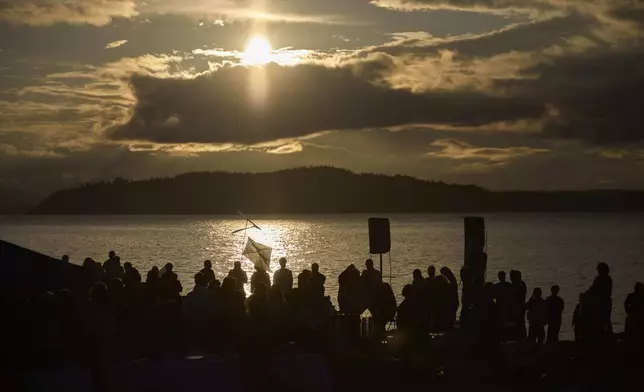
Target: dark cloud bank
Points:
(299, 101)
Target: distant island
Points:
(317, 190)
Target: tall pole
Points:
(241, 254)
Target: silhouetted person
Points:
(259, 277)
(442, 304)
(519, 292)
(385, 308)
(503, 296)
(350, 293)
(303, 280)
(257, 304)
(170, 285)
(555, 307)
(600, 296)
(537, 317)
(240, 277)
(411, 317)
(112, 266)
(283, 278)
(371, 279)
(317, 278)
(132, 276)
(418, 282)
(100, 324)
(153, 281)
(430, 293)
(634, 307)
(234, 312)
(207, 271)
(91, 272)
(487, 314)
(278, 311)
(452, 301)
(198, 310)
(111, 258)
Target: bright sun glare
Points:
(258, 51)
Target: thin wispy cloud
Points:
(50, 12)
(116, 44)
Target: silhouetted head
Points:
(88, 262)
(229, 284)
(258, 268)
(369, 264)
(283, 262)
(127, 266)
(152, 276)
(65, 259)
(168, 267)
(602, 269)
(446, 272)
(514, 276)
(431, 271)
(639, 288)
(554, 290)
(207, 264)
(536, 293)
(407, 291)
(132, 277)
(315, 268)
(352, 267)
(501, 276)
(237, 265)
(417, 274)
(200, 280)
(112, 254)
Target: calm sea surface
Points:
(548, 249)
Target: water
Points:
(548, 248)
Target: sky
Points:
(505, 94)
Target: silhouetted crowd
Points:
(120, 315)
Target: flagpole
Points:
(241, 254)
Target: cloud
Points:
(49, 12)
(234, 10)
(116, 44)
(593, 96)
(251, 105)
(455, 149)
(495, 6)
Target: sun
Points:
(258, 51)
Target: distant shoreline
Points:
(319, 191)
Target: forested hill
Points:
(318, 190)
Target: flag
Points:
(259, 254)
